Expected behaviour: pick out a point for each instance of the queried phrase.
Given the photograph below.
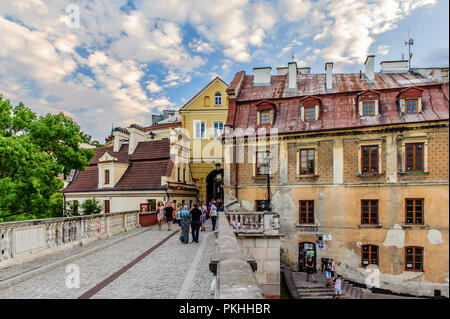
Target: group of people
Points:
(187, 217)
(332, 281)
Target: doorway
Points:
(214, 186)
(306, 250)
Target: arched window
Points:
(218, 99)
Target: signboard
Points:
(327, 237)
(144, 208)
(320, 244)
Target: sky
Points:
(111, 63)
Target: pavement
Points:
(166, 268)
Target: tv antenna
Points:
(409, 43)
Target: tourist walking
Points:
(179, 209)
(338, 287)
(185, 223)
(327, 269)
(213, 212)
(332, 270)
(310, 269)
(160, 214)
(195, 222)
(169, 215)
(203, 217)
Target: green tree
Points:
(92, 206)
(34, 152)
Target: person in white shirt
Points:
(338, 287)
(213, 210)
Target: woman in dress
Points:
(185, 223)
(160, 215)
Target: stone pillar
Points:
(283, 163)
(338, 162)
(391, 158)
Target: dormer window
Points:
(264, 117)
(410, 100)
(310, 109)
(265, 113)
(368, 103)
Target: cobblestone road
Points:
(162, 274)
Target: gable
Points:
(106, 157)
(208, 92)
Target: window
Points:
(152, 204)
(184, 175)
(178, 175)
(75, 206)
(369, 159)
(306, 214)
(307, 161)
(411, 106)
(199, 129)
(106, 205)
(369, 108)
(414, 258)
(264, 117)
(414, 212)
(260, 205)
(369, 255)
(218, 129)
(218, 99)
(414, 157)
(106, 176)
(262, 163)
(369, 212)
(310, 113)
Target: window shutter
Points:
(317, 112)
(402, 106)
(302, 113)
(419, 105)
(360, 108)
(376, 107)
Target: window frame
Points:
(414, 257)
(414, 157)
(406, 106)
(313, 150)
(307, 212)
(373, 108)
(106, 177)
(414, 211)
(370, 255)
(309, 107)
(214, 128)
(269, 118)
(256, 163)
(216, 95)
(204, 135)
(370, 211)
(370, 158)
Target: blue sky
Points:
(128, 59)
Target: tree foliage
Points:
(92, 206)
(34, 152)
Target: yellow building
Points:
(203, 120)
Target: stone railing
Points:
(251, 222)
(235, 278)
(25, 240)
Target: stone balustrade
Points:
(252, 222)
(25, 240)
(234, 274)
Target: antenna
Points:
(409, 43)
(292, 58)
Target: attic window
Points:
(218, 99)
(106, 176)
(411, 106)
(264, 117)
(410, 100)
(310, 109)
(369, 108)
(310, 113)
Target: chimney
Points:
(292, 74)
(137, 134)
(369, 66)
(304, 70)
(329, 76)
(261, 76)
(121, 136)
(400, 66)
(282, 70)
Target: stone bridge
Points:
(111, 256)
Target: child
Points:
(337, 287)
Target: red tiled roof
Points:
(150, 161)
(338, 110)
(150, 150)
(158, 126)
